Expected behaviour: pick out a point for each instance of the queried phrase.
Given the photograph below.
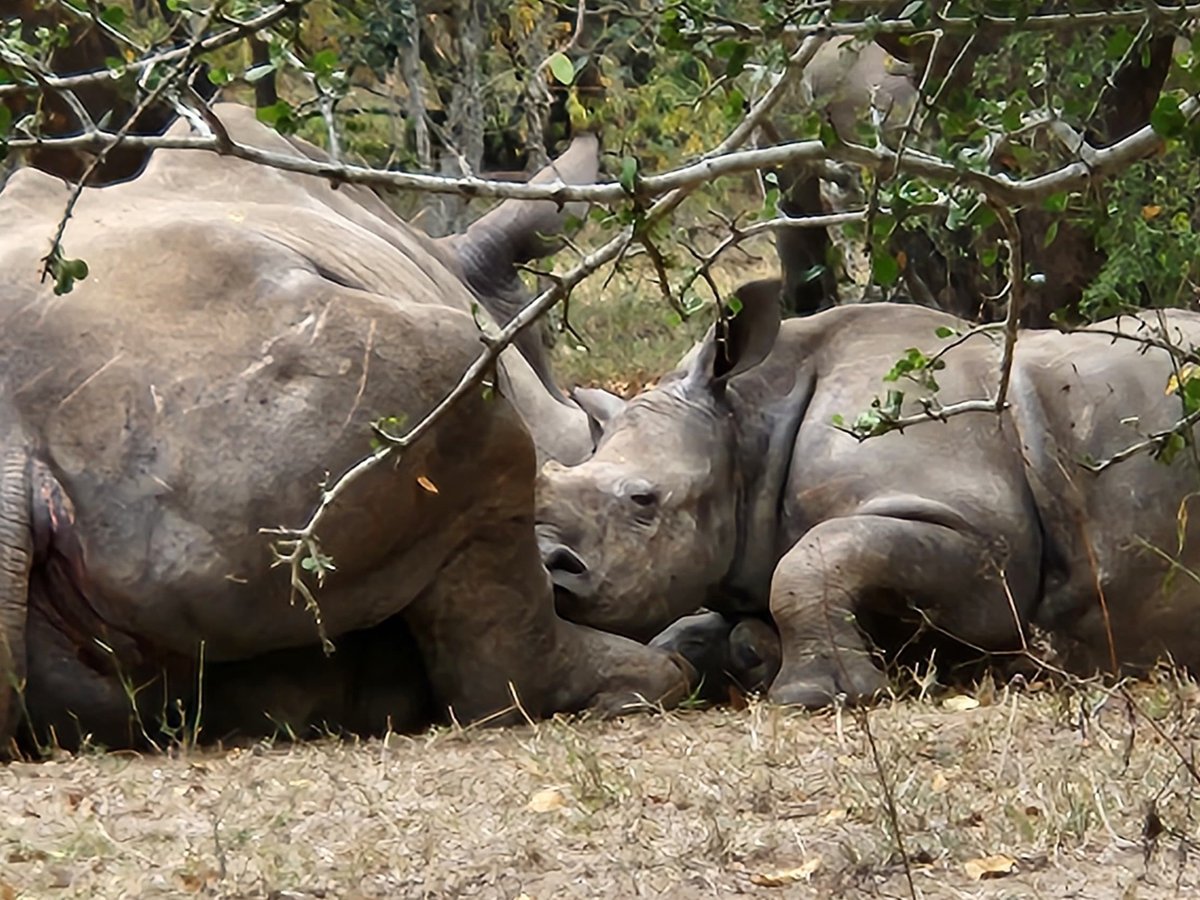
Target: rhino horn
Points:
(600, 405)
(517, 231)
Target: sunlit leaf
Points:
(990, 867)
(561, 68)
(547, 800)
(784, 877)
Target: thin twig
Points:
(149, 100)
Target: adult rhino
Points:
(239, 330)
(727, 486)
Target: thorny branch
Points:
(886, 420)
(237, 32)
(302, 544)
(1134, 15)
(999, 188)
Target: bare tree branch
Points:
(231, 35)
(1134, 15)
(719, 162)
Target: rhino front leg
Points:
(489, 621)
(846, 570)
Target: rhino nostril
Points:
(566, 560)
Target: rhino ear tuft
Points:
(743, 336)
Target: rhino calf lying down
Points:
(238, 332)
(728, 486)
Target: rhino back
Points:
(201, 388)
(968, 463)
(1113, 537)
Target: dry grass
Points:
(689, 804)
(631, 335)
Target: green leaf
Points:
(885, 270)
(734, 305)
(219, 75)
(1167, 119)
(561, 68)
(113, 15)
(943, 332)
(1057, 202)
(65, 271)
(734, 52)
(628, 176)
(1117, 45)
(1051, 234)
(1172, 448)
(278, 116)
(324, 62)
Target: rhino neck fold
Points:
(768, 408)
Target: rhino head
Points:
(640, 533)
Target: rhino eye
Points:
(644, 499)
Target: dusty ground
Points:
(1054, 785)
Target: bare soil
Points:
(1050, 789)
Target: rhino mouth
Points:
(567, 603)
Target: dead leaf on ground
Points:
(427, 484)
(784, 877)
(7, 891)
(996, 866)
(940, 782)
(547, 800)
(960, 703)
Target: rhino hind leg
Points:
(886, 576)
(16, 560)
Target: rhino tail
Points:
(16, 559)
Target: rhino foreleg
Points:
(883, 569)
(495, 650)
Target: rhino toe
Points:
(855, 683)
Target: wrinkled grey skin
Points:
(239, 330)
(980, 526)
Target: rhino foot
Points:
(611, 676)
(855, 680)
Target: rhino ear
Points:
(601, 407)
(517, 231)
(740, 340)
